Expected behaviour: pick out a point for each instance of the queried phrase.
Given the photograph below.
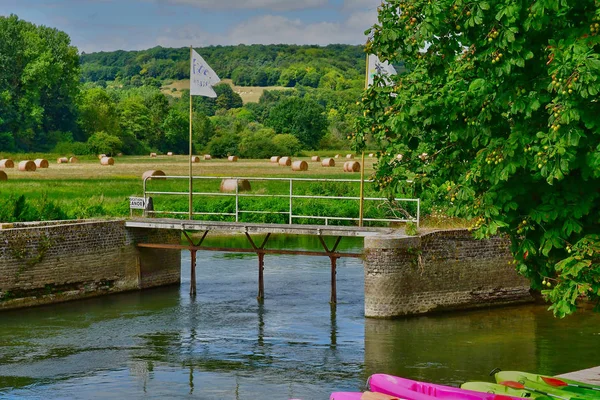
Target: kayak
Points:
(361, 396)
(556, 387)
(415, 390)
(496, 388)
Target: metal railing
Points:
(290, 195)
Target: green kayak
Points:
(502, 390)
(555, 387)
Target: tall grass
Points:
(88, 190)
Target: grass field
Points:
(249, 94)
(88, 189)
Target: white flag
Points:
(202, 77)
(378, 67)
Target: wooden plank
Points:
(591, 375)
(218, 226)
(246, 250)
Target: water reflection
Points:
(453, 348)
(223, 344)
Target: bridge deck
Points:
(244, 227)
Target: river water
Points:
(223, 345)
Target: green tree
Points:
(135, 119)
(223, 145)
(203, 129)
(176, 129)
(227, 98)
(498, 106)
(257, 142)
(104, 143)
(302, 118)
(39, 80)
(97, 113)
(287, 144)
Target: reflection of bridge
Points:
(260, 249)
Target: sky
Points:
(107, 25)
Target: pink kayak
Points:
(415, 390)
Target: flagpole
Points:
(190, 156)
(362, 163)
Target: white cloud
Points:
(272, 5)
(275, 29)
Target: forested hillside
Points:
(334, 66)
(54, 100)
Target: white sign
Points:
(137, 203)
(202, 77)
(378, 67)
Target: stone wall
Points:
(443, 270)
(47, 262)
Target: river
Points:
(222, 344)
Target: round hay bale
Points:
(285, 161)
(371, 155)
(3, 176)
(351, 166)
(328, 162)
(7, 163)
(316, 158)
(62, 160)
(153, 155)
(101, 156)
(229, 185)
(41, 163)
(207, 157)
(73, 160)
(299, 166)
(232, 158)
(170, 153)
(337, 156)
(27, 165)
(349, 156)
(153, 174)
(107, 161)
(195, 159)
(275, 159)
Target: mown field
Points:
(249, 94)
(88, 189)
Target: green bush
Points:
(7, 141)
(287, 144)
(103, 143)
(257, 143)
(223, 145)
(76, 148)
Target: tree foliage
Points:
(255, 65)
(499, 107)
(39, 80)
(300, 117)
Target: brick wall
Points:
(443, 270)
(48, 263)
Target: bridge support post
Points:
(333, 299)
(193, 272)
(261, 282)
